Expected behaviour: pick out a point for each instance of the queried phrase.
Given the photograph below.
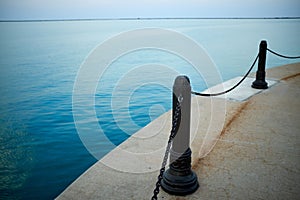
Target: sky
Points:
(94, 9)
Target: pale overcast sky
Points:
(86, 9)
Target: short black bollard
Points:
(260, 82)
(179, 179)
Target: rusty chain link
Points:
(175, 125)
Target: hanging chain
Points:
(175, 122)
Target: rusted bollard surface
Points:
(179, 179)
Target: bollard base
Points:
(179, 185)
(259, 84)
(179, 179)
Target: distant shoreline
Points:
(143, 18)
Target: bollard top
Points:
(263, 43)
(182, 81)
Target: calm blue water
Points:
(41, 153)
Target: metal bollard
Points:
(260, 82)
(179, 179)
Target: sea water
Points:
(41, 152)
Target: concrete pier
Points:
(253, 153)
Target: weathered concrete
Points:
(257, 154)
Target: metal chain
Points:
(283, 56)
(236, 85)
(171, 137)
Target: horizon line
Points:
(138, 18)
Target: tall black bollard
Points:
(179, 179)
(260, 82)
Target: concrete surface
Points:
(241, 149)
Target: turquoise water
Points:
(41, 152)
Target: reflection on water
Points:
(16, 157)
